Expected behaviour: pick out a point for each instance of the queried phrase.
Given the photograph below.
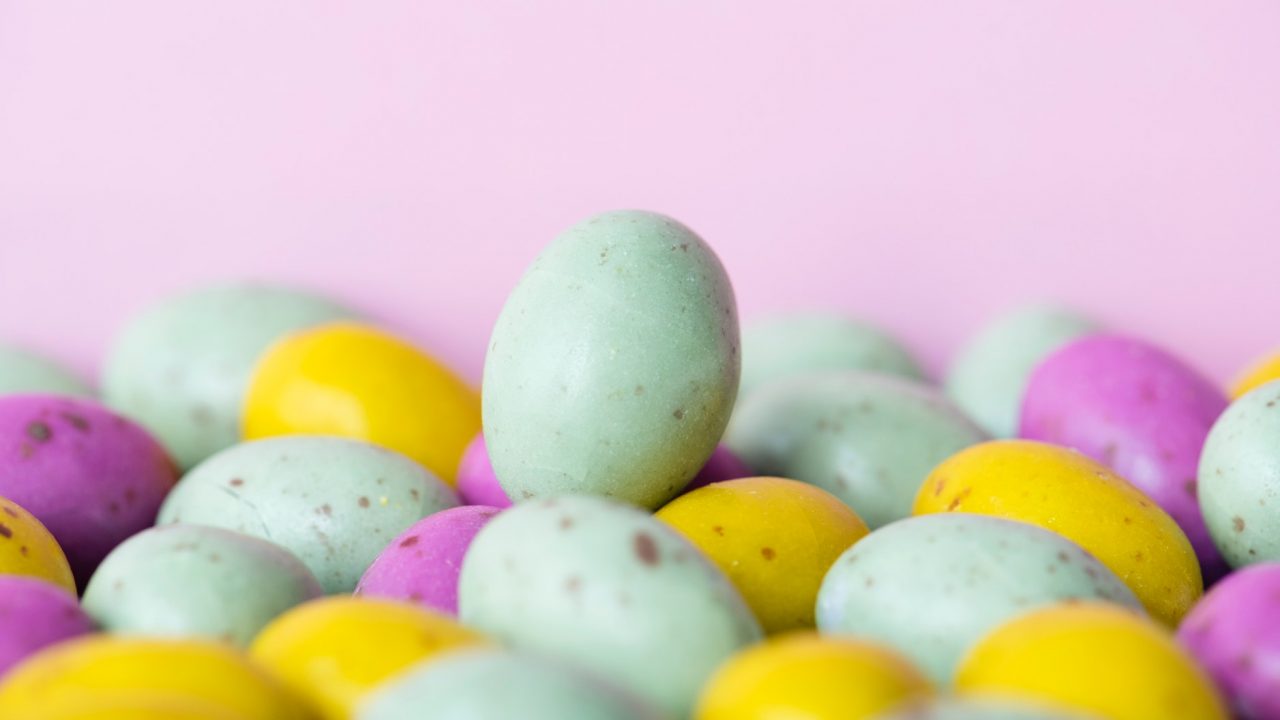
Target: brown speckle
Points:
(1237, 524)
(325, 510)
(215, 558)
(39, 431)
(409, 541)
(5, 532)
(573, 584)
(10, 511)
(768, 553)
(646, 549)
(113, 507)
(413, 493)
(1138, 556)
(959, 498)
(1189, 487)
(566, 522)
(76, 421)
(130, 496)
(678, 414)
(869, 582)
(639, 390)
(363, 502)
(1063, 557)
(719, 530)
(236, 482)
(1128, 520)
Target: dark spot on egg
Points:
(719, 530)
(639, 390)
(5, 532)
(870, 581)
(10, 511)
(1063, 557)
(678, 413)
(768, 553)
(24, 551)
(573, 584)
(959, 498)
(236, 482)
(76, 421)
(1237, 524)
(566, 522)
(325, 510)
(363, 502)
(938, 486)
(39, 431)
(409, 541)
(646, 550)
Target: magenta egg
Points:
(422, 564)
(92, 477)
(1137, 409)
(1234, 635)
(34, 614)
(477, 484)
(722, 465)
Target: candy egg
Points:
(477, 483)
(614, 365)
(807, 676)
(421, 565)
(1261, 373)
(722, 465)
(106, 671)
(868, 439)
(1094, 657)
(359, 382)
(27, 548)
(332, 502)
(35, 614)
(132, 709)
(1136, 409)
(989, 376)
(25, 372)
(773, 538)
(334, 651)
(1232, 632)
(1063, 491)
(812, 343)
(1240, 478)
(930, 586)
(606, 587)
(500, 685)
(90, 476)
(181, 366)
(983, 709)
(192, 580)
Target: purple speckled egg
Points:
(722, 465)
(33, 614)
(477, 484)
(1234, 635)
(1137, 409)
(422, 564)
(92, 477)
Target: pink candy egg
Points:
(33, 614)
(722, 465)
(477, 483)
(422, 564)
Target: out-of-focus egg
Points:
(722, 465)
(334, 651)
(477, 483)
(181, 366)
(868, 439)
(196, 581)
(34, 614)
(989, 375)
(1094, 657)
(614, 365)
(608, 588)
(774, 538)
(1063, 491)
(809, 343)
(1261, 373)
(930, 586)
(1138, 410)
(28, 549)
(359, 382)
(984, 709)
(90, 476)
(22, 371)
(332, 502)
(804, 675)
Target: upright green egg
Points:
(614, 365)
(607, 588)
(867, 438)
(22, 371)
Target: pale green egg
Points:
(333, 502)
(867, 438)
(989, 375)
(614, 364)
(930, 586)
(22, 371)
(609, 589)
(181, 366)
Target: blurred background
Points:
(921, 165)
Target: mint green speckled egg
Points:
(22, 371)
(614, 365)
(607, 588)
(181, 367)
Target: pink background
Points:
(921, 164)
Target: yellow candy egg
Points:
(27, 548)
(107, 672)
(804, 675)
(1257, 375)
(1063, 491)
(97, 709)
(359, 382)
(1093, 657)
(774, 538)
(334, 651)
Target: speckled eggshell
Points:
(193, 580)
(992, 709)
(614, 365)
(1240, 478)
(809, 343)
(721, 466)
(608, 588)
(869, 439)
(500, 685)
(477, 483)
(333, 502)
(92, 477)
(25, 372)
(989, 375)
(182, 365)
(1234, 635)
(421, 565)
(33, 615)
(1136, 409)
(930, 586)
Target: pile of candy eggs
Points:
(274, 509)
